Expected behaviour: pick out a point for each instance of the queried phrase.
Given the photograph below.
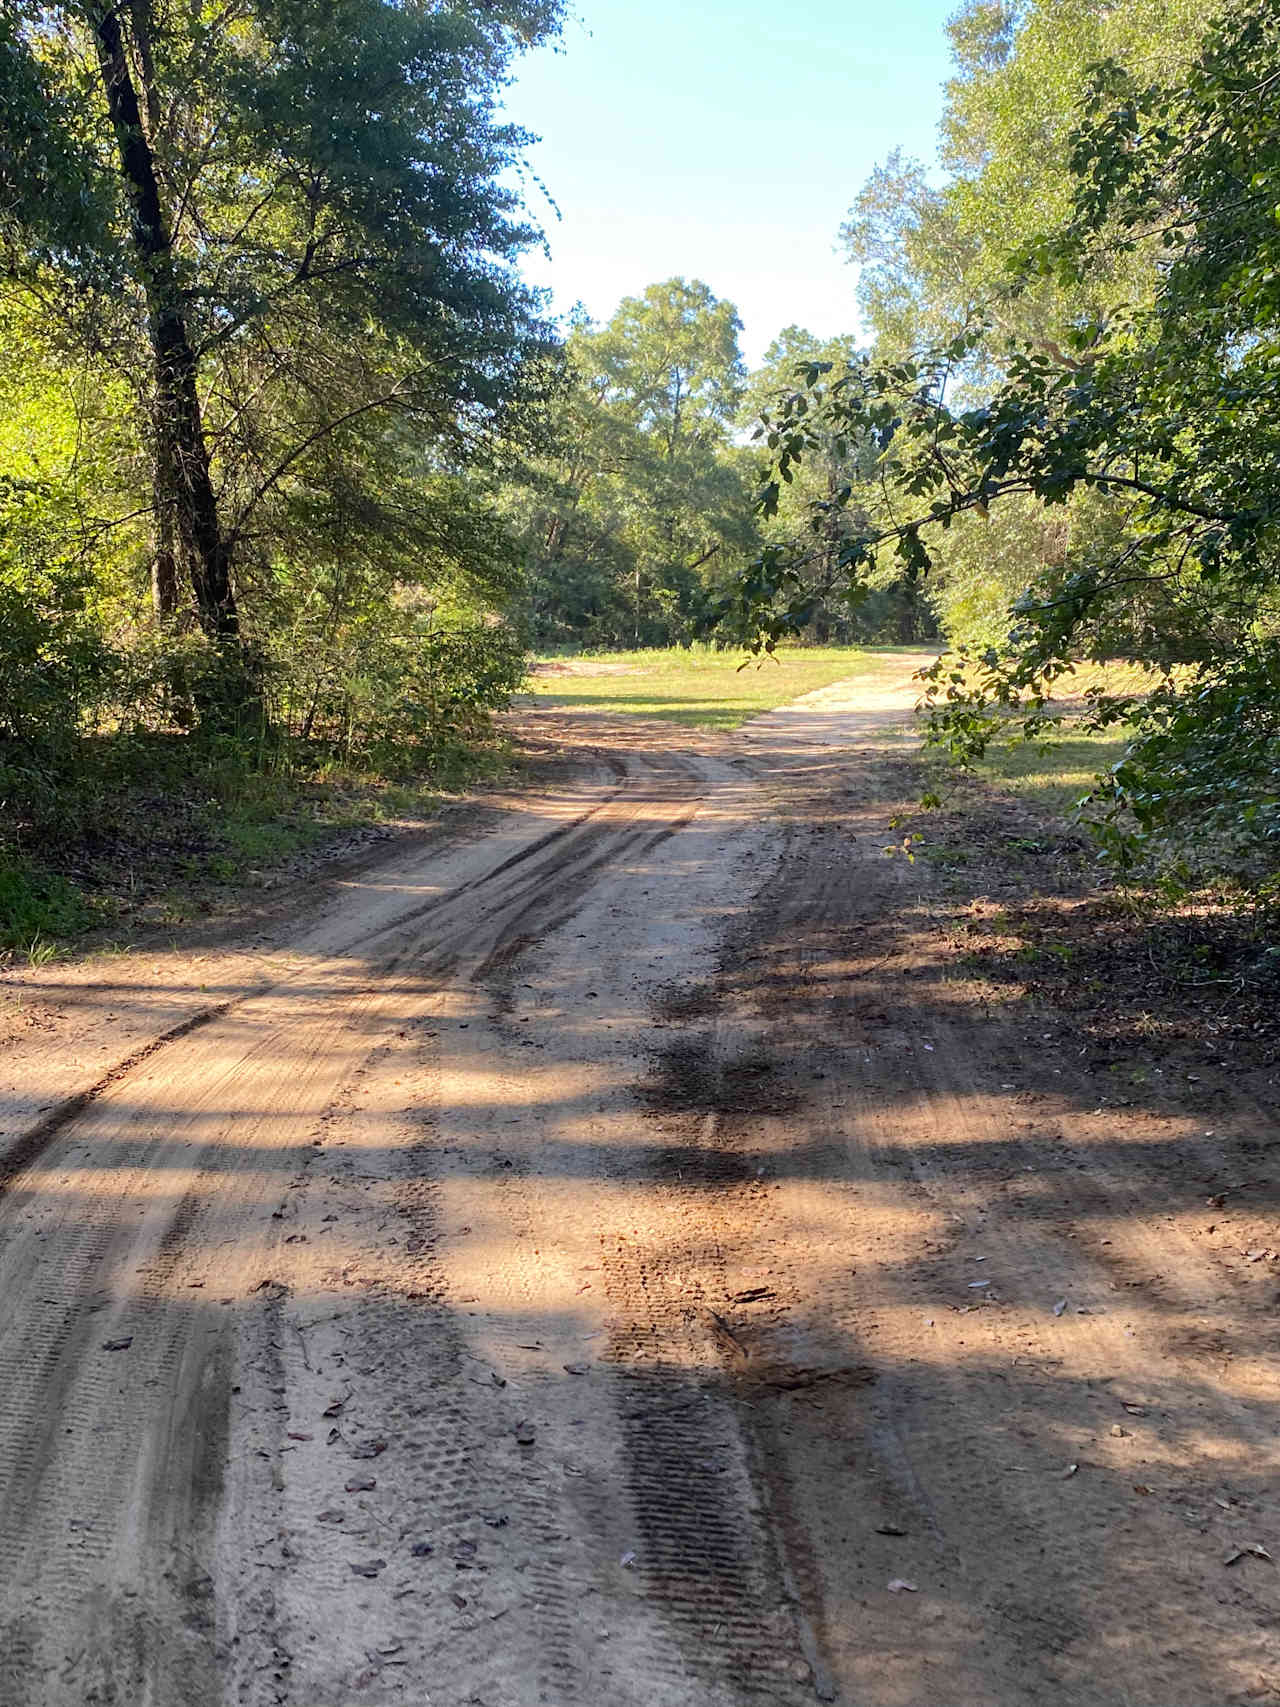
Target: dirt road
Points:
(599, 1258)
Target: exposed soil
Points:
(647, 1246)
(582, 667)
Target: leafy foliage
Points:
(36, 905)
(819, 509)
(295, 249)
(262, 339)
(644, 503)
(1160, 411)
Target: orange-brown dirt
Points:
(646, 1247)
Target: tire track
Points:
(105, 1528)
(26, 1150)
(686, 1384)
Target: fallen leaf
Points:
(900, 1585)
(361, 1484)
(1060, 1306)
(889, 1529)
(368, 1567)
(331, 1517)
(577, 1368)
(118, 1345)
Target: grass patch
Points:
(39, 907)
(1055, 777)
(1057, 774)
(1116, 676)
(703, 688)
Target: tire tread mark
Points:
(28, 1147)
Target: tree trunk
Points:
(165, 594)
(164, 576)
(907, 614)
(200, 547)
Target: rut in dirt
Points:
(118, 1398)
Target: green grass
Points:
(704, 688)
(1060, 776)
(1057, 778)
(37, 907)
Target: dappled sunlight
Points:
(646, 1144)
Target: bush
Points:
(55, 664)
(393, 682)
(1197, 793)
(36, 904)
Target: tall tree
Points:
(933, 249)
(303, 245)
(1167, 412)
(647, 499)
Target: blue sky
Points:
(724, 141)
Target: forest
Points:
(296, 471)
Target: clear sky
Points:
(724, 140)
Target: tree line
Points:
(292, 459)
(639, 514)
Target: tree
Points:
(297, 249)
(1167, 409)
(646, 497)
(826, 502)
(934, 252)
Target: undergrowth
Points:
(149, 828)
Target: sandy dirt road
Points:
(597, 1258)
